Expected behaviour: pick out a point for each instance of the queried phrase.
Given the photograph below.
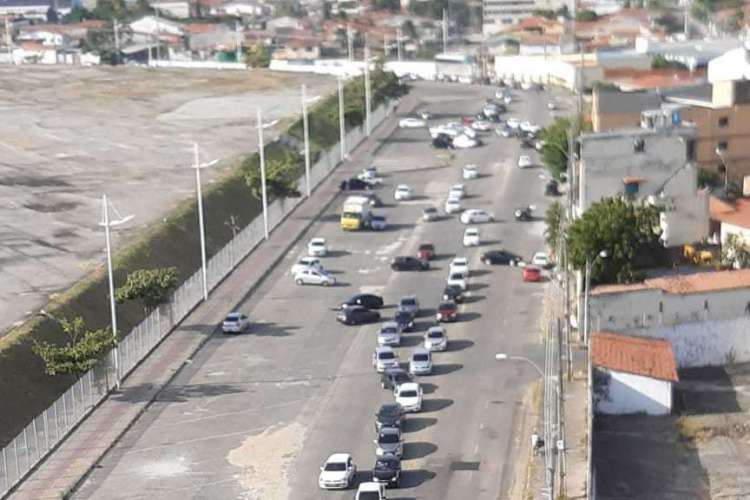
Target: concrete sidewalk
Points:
(63, 470)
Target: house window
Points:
(723, 121)
(639, 146)
(631, 189)
(691, 150)
(722, 146)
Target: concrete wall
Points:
(727, 229)
(629, 393)
(546, 70)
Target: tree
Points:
(735, 252)
(409, 30)
(81, 353)
(661, 62)
(152, 286)
(282, 171)
(735, 21)
(621, 229)
(554, 219)
(110, 9)
(708, 178)
(389, 5)
(555, 149)
(545, 13)
(101, 42)
(563, 12)
(257, 56)
(586, 16)
(76, 15)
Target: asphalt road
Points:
(255, 416)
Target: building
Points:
(176, 9)
(692, 53)
(613, 109)
(41, 10)
(632, 374)
(730, 218)
(499, 15)
(652, 164)
(705, 315)
(459, 65)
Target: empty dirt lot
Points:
(70, 134)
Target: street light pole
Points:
(587, 287)
(262, 154)
(720, 153)
(202, 227)
(342, 122)
(306, 130)
(503, 357)
(368, 123)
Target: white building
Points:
(565, 71)
(47, 37)
(178, 9)
(240, 9)
(652, 164)
(632, 374)
(151, 26)
(498, 15)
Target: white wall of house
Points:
(178, 10)
(628, 393)
(545, 70)
(242, 9)
(47, 38)
(423, 69)
(727, 229)
(150, 25)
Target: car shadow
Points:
(442, 256)
(422, 326)
(418, 197)
(446, 368)
(332, 254)
(469, 316)
(428, 388)
(396, 227)
(339, 284)
(330, 218)
(426, 312)
(419, 449)
(411, 340)
(414, 478)
(473, 287)
(271, 330)
(417, 424)
(436, 404)
(459, 345)
(486, 243)
(471, 299)
(475, 273)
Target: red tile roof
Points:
(682, 284)
(647, 357)
(737, 214)
(652, 79)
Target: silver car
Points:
(436, 339)
(420, 362)
(389, 334)
(389, 441)
(383, 358)
(410, 304)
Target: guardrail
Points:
(51, 426)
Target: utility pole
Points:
(560, 445)
(9, 40)
(398, 43)
(368, 123)
(116, 25)
(445, 32)
(342, 121)
(262, 152)
(158, 34)
(350, 42)
(385, 47)
(306, 131)
(238, 41)
(197, 165)
(686, 28)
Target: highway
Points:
(254, 416)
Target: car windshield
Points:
(389, 438)
(409, 394)
(384, 464)
(472, 233)
(401, 377)
(387, 355)
(389, 330)
(421, 357)
(335, 466)
(233, 317)
(446, 305)
(435, 335)
(368, 495)
(408, 302)
(378, 218)
(430, 210)
(457, 276)
(389, 410)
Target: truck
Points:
(356, 213)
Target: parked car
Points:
(504, 131)
(389, 334)
(524, 214)
(375, 200)
(459, 265)
(426, 251)
(454, 293)
(471, 237)
(531, 273)
(235, 322)
(355, 184)
(513, 123)
(387, 470)
(409, 396)
(476, 216)
(389, 415)
(358, 315)
(420, 362)
(314, 277)
(458, 279)
(370, 491)
(306, 263)
(501, 257)
(393, 377)
(442, 141)
(378, 222)
(481, 125)
(317, 247)
(457, 191)
(389, 442)
(524, 161)
(551, 188)
(337, 472)
(409, 263)
(405, 320)
(452, 205)
(410, 304)
(368, 300)
(429, 214)
(436, 339)
(470, 171)
(447, 311)
(402, 192)
(412, 122)
(540, 259)
(465, 142)
(383, 358)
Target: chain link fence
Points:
(50, 427)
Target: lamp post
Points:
(368, 123)
(262, 154)
(306, 130)
(197, 165)
(503, 357)
(342, 122)
(107, 223)
(721, 153)
(587, 285)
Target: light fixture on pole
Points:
(197, 165)
(107, 225)
(342, 122)
(721, 153)
(602, 254)
(504, 357)
(368, 123)
(262, 154)
(306, 133)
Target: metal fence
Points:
(50, 427)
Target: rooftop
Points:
(683, 284)
(614, 101)
(630, 80)
(701, 93)
(737, 214)
(647, 357)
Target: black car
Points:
(501, 257)
(375, 200)
(358, 315)
(442, 141)
(527, 144)
(405, 320)
(408, 263)
(367, 300)
(389, 415)
(552, 189)
(387, 469)
(393, 377)
(454, 293)
(523, 214)
(355, 184)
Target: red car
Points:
(447, 311)
(426, 251)
(531, 273)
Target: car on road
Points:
(459, 265)
(409, 263)
(476, 216)
(356, 184)
(369, 177)
(420, 362)
(541, 259)
(426, 251)
(504, 131)
(532, 274)
(358, 315)
(402, 192)
(368, 300)
(501, 257)
(436, 339)
(384, 357)
(465, 142)
(389, 442)
(524, 214)
(424, 114)
(378, 222)
(481, 125)
(527, 143)
(387, 470)
(454, 293)
(393, 377)
(524, 161)
(389, 334)
(552, 188)
(458, 279)
(389, 415)
(452, 205)
(235, 322)
(410, 304)
(412, 122)
(457, 191)
(370, 491)
(446, 311)
(375, 200)
(442, 141)
(314, 277)
(337, 472)
(450, 129)
(552, 105)
(317, 247)
(470, 171)
(471, 237)
(306, 263)
(430, 214)
(513, 123)
(409, 396)
(405, 320)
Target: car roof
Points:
(408, 385)
(407, 297)
(369, 486)
(338, 457)
(420, 350)
(402, 186)
(389, 324)
(384, 348)
(434, 329)
(318, 240)
(459, 259)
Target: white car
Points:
(452, 205)
(409, 396)
(383, 358)
(436, 339)
(524, 161)
(306, 263)
(389, 334)
(539, 145)
(527, 126)
(369, 177)
(457, 191)
(540, 259)
(402, 192)
(476, 215)
(513, 123)
(481, 125)
(458, 279)
(314, 277)
(317, 247)
(465, 142)
(499, 93)
(459, 265)
(338, 472)
(471, 237)
(235, 322)
(370, 491)
(504, 131)
(451, 129)
(507, 99)
(551, 105)
(468, 132)
(412, 122)
(470, 171)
